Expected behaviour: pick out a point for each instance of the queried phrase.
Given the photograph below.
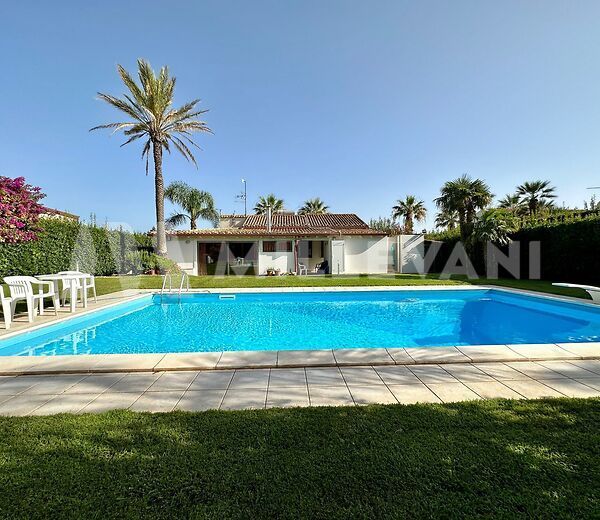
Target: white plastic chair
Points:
(21, 288)
(89, 283)
(302, 269)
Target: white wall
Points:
(184, 254)
(282, 261)
(366, 255)
(412, 254)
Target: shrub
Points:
(61, 245)
(19, 210)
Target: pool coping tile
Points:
(363, 356)
(248, 359)
(493, 353)
(189, 361)
(400, 356)
(541, 351)
(583, 350)
(305, 358)
(436, 355)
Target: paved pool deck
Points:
(237, 380)
(296, 387)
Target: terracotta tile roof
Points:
(291, 225)
(288, 232)
(333, 221)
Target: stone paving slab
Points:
(290, 387)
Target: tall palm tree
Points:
(411, 210)
(314, 206)
(446, 219)
(264, 202)
(196, 204)
(152, 117)
(465, 196)
(536, 195)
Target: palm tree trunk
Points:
(159, 194)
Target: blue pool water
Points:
(317, 320)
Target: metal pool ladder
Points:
(185, 279)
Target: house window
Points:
(279, 246)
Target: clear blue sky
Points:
(357, 102)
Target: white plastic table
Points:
(73, 278)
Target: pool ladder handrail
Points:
(185, 278)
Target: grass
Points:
(117, 283)
(474, 459)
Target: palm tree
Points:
(314, 206)
(446, 220)
(264, 202)
(512, 203)
(465, 196)
(536, 195)
(411, 210)
(152, 117)
(493, 226)
(387, 225)
(196, 204)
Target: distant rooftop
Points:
(57, 213)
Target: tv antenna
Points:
(243, 197)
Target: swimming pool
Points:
(312, 321)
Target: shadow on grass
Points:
(539, 458)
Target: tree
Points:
(20, 210)
(196, 204)
(264, 202)
(387, 225)
(151, 117)
(411, 210)
(446, 219)
(536, 195)
(314, 206)
(465, 196)
(512, 203)
(494, 226)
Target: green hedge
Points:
(63, 245)
(570, 249)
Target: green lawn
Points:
(475, 459)
(117, 283)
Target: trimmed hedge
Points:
(570, 249)
(64, 245)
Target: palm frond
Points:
(177, 219)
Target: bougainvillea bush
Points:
(19, 210)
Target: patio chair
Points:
(322, 268)
(90, 283)
(21, 288)
(302, 269)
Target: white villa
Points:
(332, 243)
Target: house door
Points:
(337, 257)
